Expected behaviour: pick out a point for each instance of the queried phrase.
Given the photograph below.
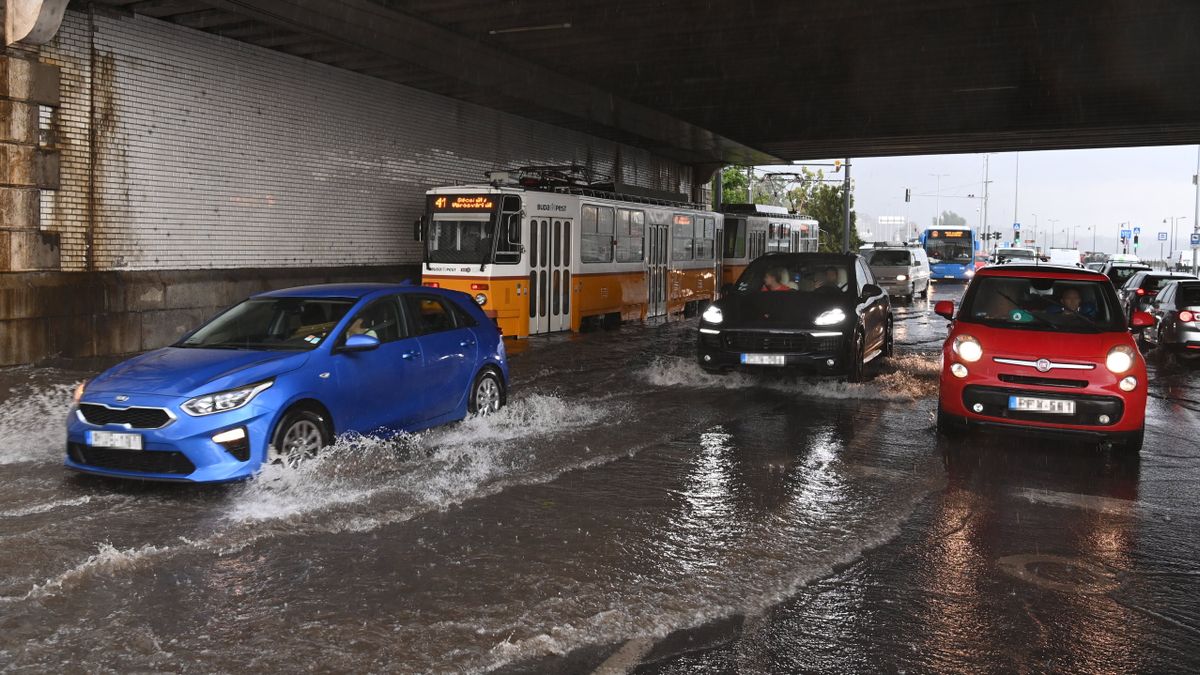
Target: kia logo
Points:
(121, 398)
(1043, 365)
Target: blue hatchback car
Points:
(278, 375)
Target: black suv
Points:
(1118, 272)
(819, 311)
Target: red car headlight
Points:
(1119, 359)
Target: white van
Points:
(1071, 257)
(901, 271)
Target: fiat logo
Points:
(1043, 365)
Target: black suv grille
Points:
(780, 342)
(146, 461)
(138, 418)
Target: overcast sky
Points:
(1077, 188)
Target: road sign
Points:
(1137, 230)
(1162, 236)
(1196, 239)
(1125, 234)
(1017, 227)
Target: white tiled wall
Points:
(215, 154)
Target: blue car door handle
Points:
(408, 355)
(467, 343)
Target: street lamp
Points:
(1035, 231)
(938, 200)
(1174, 220)
(1052, 222)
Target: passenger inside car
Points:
(1051, 303)
(1070, 301)
(775, 279)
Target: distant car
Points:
(901, 271)
(1141, 288)
(1006, 255)
(1095, 266)
(275, 377)
(1065, 256)
(817, 311)
(1176, 312)
(1119, 271)
(1043, 350)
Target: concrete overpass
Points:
(160, 158)
(740, 82)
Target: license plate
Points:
(1042, 405)
(113, 439)
(764, 359)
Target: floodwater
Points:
(623, 498)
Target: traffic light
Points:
(837, 165)
(1135, 241)
(907, 195)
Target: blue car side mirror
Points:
(361, 343)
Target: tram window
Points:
(597, 228)
(706, 234)
(684, 238)
(630, 228)
(735, 239)
(508, 245)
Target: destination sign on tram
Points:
(460, 203)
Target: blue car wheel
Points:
(299, 435)
(487, 394)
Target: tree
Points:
(733, 185)
(825, 205)
(950, 219)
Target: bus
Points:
(752, 230)
(952, 251)
(541, 255)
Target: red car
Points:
(1043, 349)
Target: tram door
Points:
(656, 269)
(549, 275)
(719, 256)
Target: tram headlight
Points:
(830, 317)
(713, 315)
(480, 299)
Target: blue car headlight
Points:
(830, 317)
(221, 401)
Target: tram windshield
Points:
(461, 240)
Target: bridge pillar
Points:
(33, 22)
(26, 165)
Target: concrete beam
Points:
(32, 22)
(371, 27)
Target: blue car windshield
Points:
(295, 324)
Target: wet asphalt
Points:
(626, 513)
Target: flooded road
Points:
(625, 509)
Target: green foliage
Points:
(950, 219)
(809, 195)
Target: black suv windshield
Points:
(1121, 274)
(1062, 305)
(1153, 282)
(796, 274)
(295, 324)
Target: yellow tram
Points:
(543, 257)
(752, 230)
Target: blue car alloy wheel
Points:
(277, 376)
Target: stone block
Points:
(29, 80)
(195, 294)
(18, 122)
(20, 208)
(134, 292)
(24, 341)
(71, 336)
(165, 327)
(28, 166)
(118, 333)
(28, 251)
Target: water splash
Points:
(32, 423)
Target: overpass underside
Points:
(161, 158)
